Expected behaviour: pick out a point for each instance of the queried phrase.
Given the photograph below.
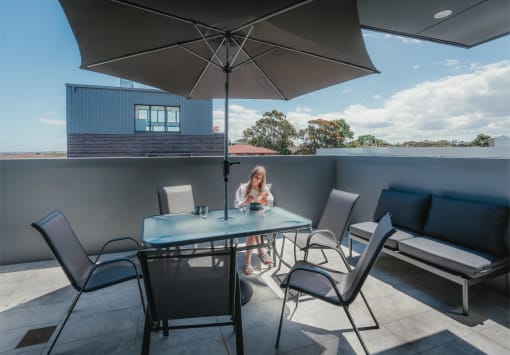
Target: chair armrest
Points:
(97, 266)
(116, 240)
(324, 246)
(313, 270)
(320, 231)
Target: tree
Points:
(322, 133)
(272, 131)
(481, 140)
(368, 140)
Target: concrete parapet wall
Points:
(109, 197)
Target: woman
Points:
(255, 190)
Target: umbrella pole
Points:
(226, 163)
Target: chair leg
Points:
(350, 247)
(165, 328)
(296, 306)
(465, 298)
(351, 320)
(325, 257)
(281, 317)
(281, 254)
(369, 309)
(146, 334)
(62, 325)
(295, 247)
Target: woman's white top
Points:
(241, 195)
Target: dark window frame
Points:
(169, 123)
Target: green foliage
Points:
(481, 140)
(272, 131)
(368, 140)
(322, 133)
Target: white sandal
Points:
(266, 259)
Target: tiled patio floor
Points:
(418, 313)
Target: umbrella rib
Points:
(165, 14)
(271, 14)
(209, 46)
(242, 45)
(147, 51)
(263, 73)
(337, 61)
(205, 69)
(208, 61)
(254, 58)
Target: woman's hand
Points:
(262, 198)
(248, 200)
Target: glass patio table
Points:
(172, 230)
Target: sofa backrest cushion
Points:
(408, 209)
(474, 225)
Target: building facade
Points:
(121, 121)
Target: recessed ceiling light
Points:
(443, 14)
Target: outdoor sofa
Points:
(463, 241)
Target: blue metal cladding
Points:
(111, 110)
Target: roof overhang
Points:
(470, 23)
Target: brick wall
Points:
(142, 144)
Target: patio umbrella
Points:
(266, 49)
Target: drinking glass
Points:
(203, 211)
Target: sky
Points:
(425, 91)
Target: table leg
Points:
(246, 291)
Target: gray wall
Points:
(109, 197)
(475, 179)
(111, 110)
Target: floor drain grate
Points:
(36, 336)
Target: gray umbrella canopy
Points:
(266, 49)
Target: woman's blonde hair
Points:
(262, 186)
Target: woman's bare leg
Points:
(251, 240)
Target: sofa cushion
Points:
(474, 225)
(366, 229)
(451, 257)
(408, 210)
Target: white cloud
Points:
(52, 121)
(240, 118)
(376, 97)
(345, 91)
(407, 40)
(416, 66)
(450, 62)
(456, 107)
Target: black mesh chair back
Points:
(189, 284)
(355, 279)
(175, 199)
(334, 287)
(337, 212)
(330, 230)
(65, 247)
(84, 274)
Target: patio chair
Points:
(190, 284)
(331, 228)
(85, 275)
(177, 199)
(337, 288)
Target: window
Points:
(157, 118)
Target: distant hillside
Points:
(33, 155)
